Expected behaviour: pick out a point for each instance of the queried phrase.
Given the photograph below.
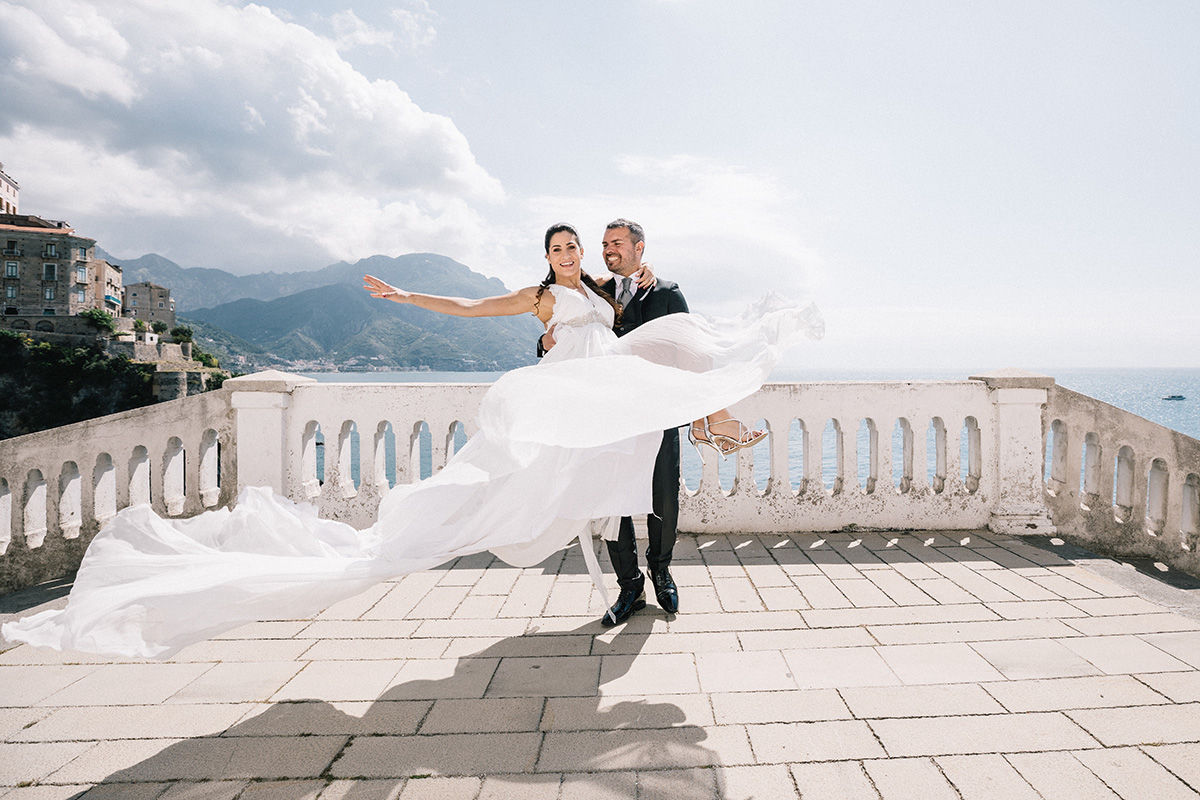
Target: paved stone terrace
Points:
(916, 666)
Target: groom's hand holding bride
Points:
(645, 278)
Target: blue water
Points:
(1137, 390)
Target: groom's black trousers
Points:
(660, 526)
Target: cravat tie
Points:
(626, 295)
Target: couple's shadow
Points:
(509, 711)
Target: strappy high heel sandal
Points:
(729, 445)
(701, 438)
(724, 444)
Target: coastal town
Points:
(57, 289)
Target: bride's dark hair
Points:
(560, 227)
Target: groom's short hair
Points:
(635, 231)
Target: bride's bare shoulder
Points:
(542, 299)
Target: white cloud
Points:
(148, 110)
(351, 32)
(724, 233)
(414, 28)
(417, 23)
(66, 43)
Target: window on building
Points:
(51, 249)
(48, 292)
(10, 292)
(47, 312)
(81, 274)
(83, 253)
(135, 302)
(10, 311)
(160, 304)
(80, 295)
(10, 247)
(12, 269)
(49, 272)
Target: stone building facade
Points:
(108, 288)
(10, 193)
(47, 271)
(150, 302)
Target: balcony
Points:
(14, 252)
(899, 625)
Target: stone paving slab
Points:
(1060, 776)
(985, 778)
(960, 665)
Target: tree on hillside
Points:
(139, 325)
(181, 333)
(45, 384)
(159, 327)
(100, 319)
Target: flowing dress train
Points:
(559, 446)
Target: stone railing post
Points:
(260, 404)
(1020, 506)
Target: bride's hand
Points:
(383, 290)
(646, 278)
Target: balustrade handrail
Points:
(57, 487)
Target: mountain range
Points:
(323, 319)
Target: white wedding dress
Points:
(559, 446)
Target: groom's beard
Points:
(613, 273)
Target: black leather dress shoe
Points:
(665, 591)
(628, 601)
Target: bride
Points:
(553, 455)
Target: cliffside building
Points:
(150, 302)
(107, 287)
(49, 272)
(10, 193)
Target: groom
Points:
(623, 244)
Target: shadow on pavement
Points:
(548, 717)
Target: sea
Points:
(1141, 391)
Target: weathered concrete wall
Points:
(1120, 483)
(61, 324)
(67, 339)
(145, 351)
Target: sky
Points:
(958, 185)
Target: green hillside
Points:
(339, 325)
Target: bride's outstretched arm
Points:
(521, 301)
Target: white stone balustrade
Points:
(1120, 482)
(59, 486)
(983, 469)
(278, 417)
(948, 502)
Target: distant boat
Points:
(1174, 397)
